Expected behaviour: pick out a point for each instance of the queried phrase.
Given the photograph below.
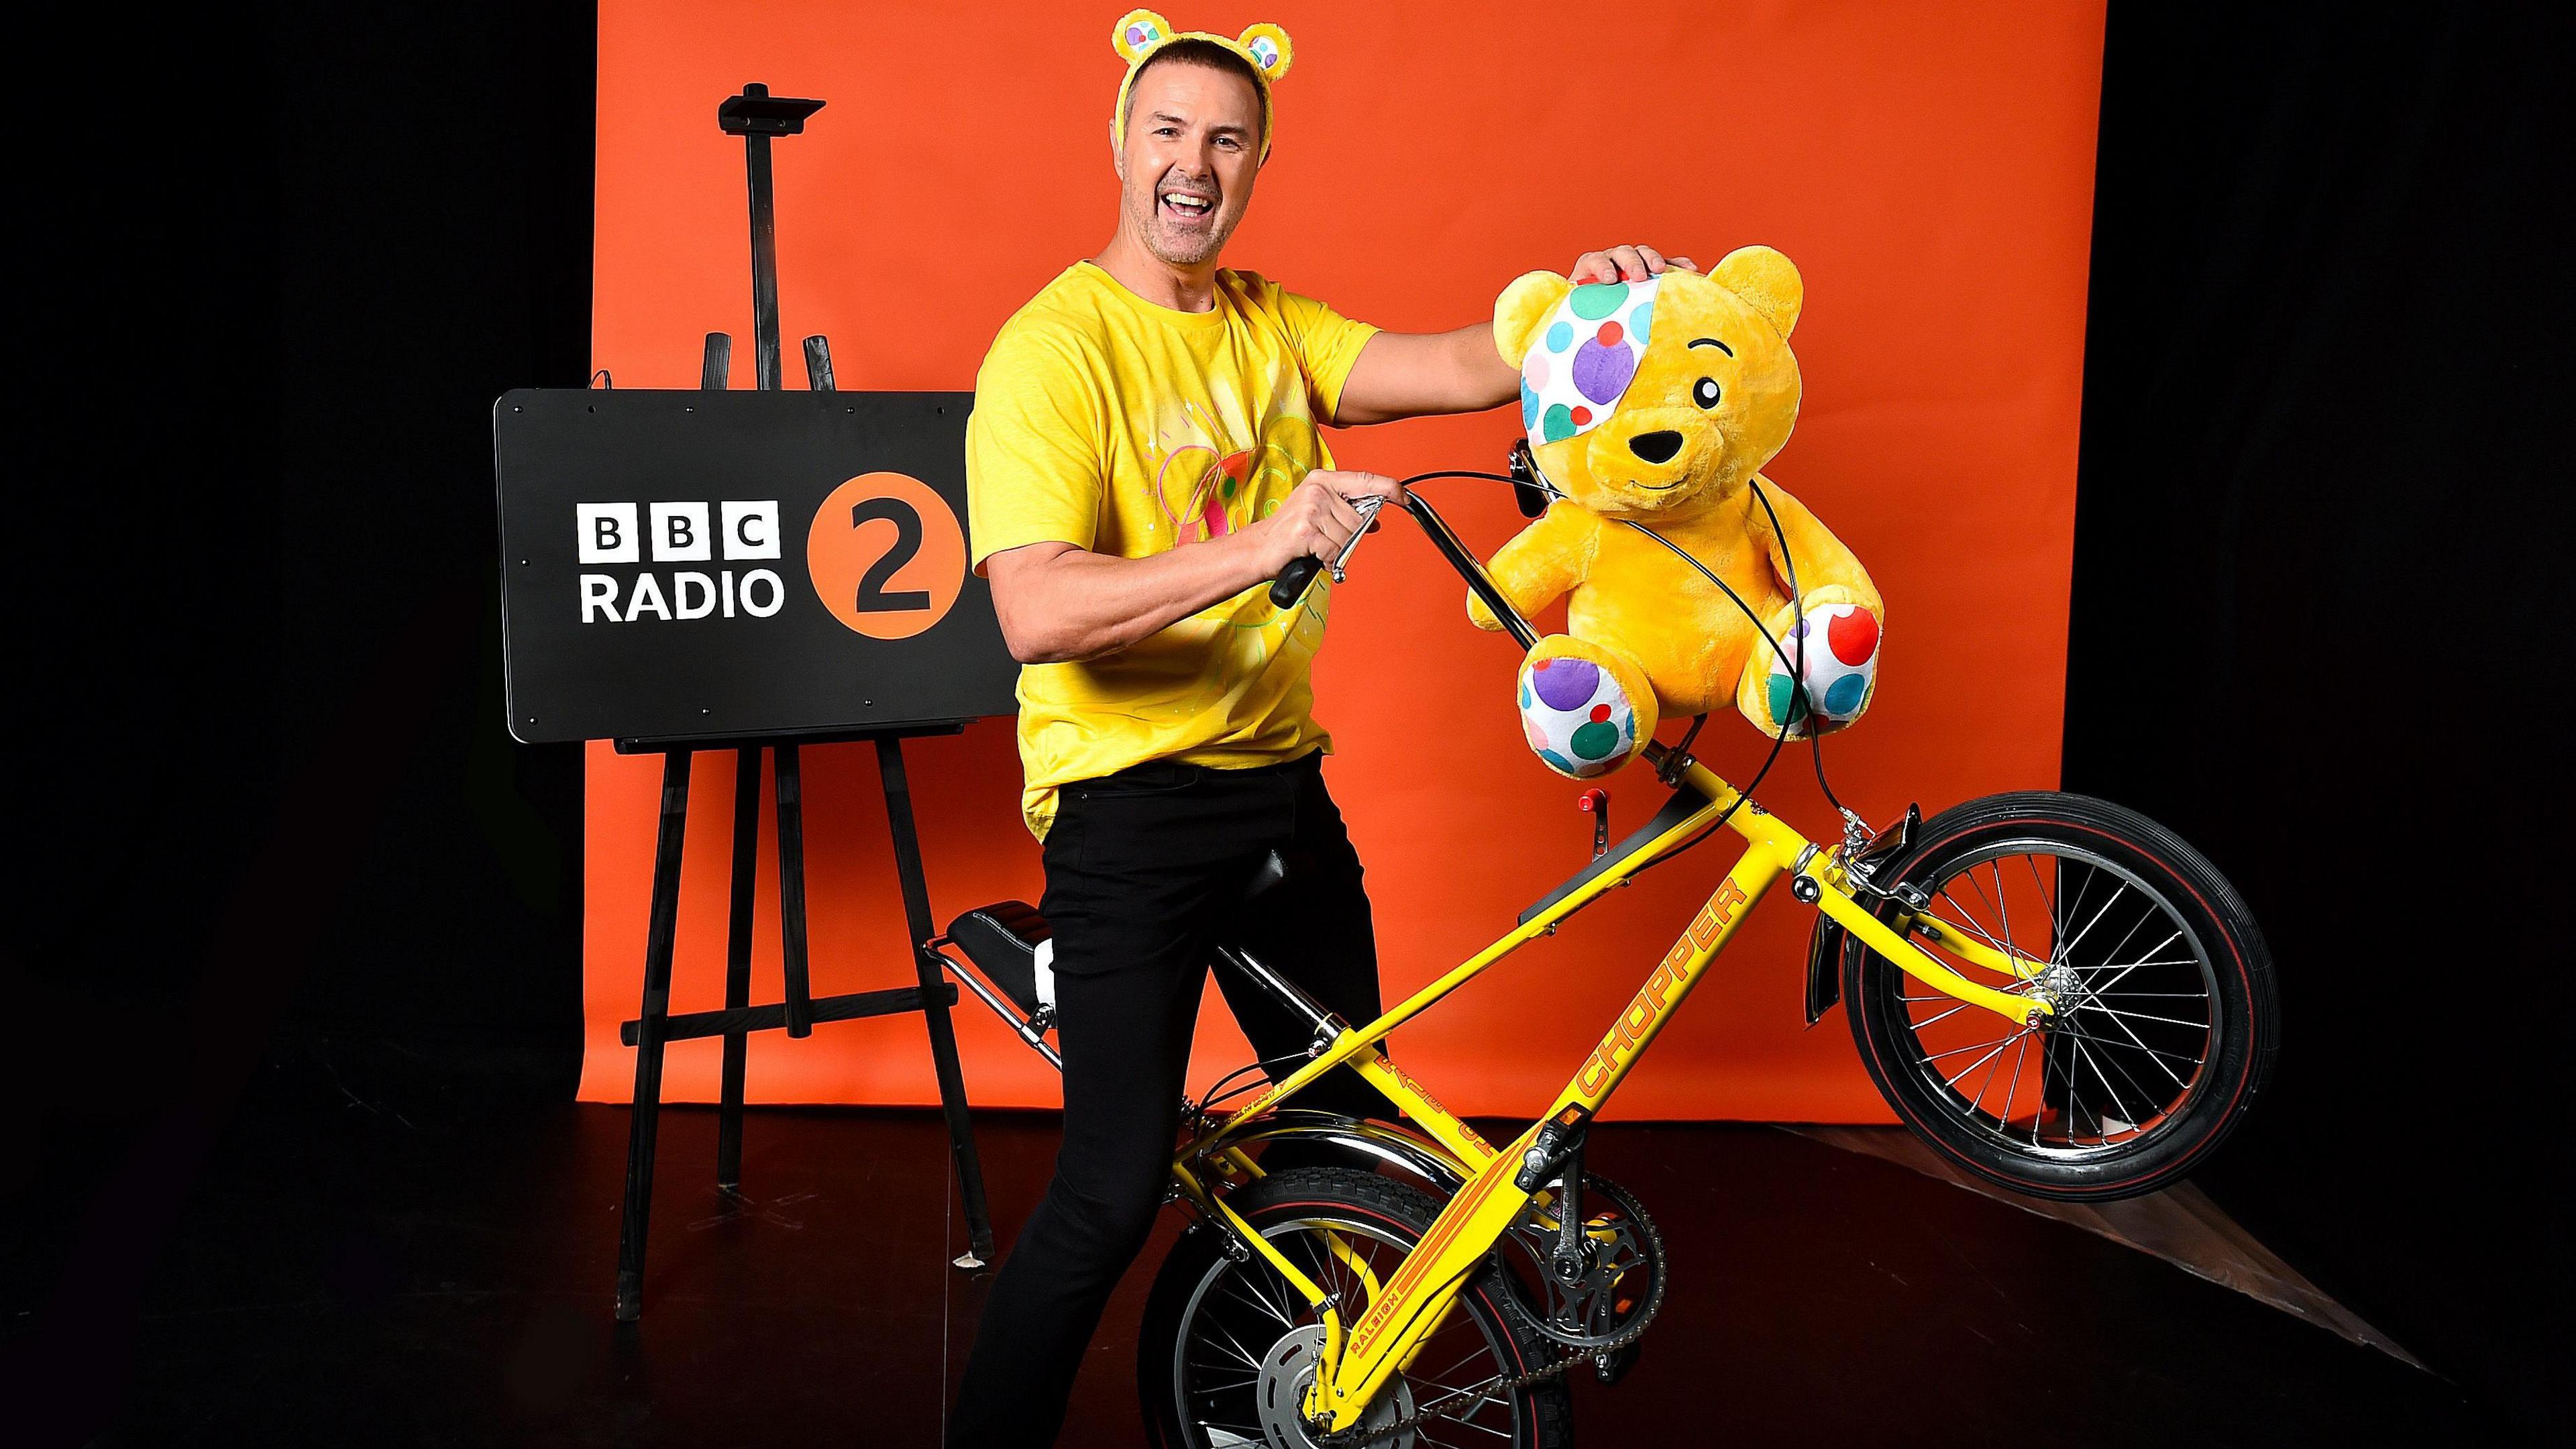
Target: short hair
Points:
(1188, 50)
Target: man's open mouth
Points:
(1188, 206)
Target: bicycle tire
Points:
(2237, 1018)
(1359, 1203)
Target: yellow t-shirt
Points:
(1126, 428)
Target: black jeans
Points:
(1144, 868)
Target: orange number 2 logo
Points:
(887, 555)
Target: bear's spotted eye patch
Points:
(1704, 392)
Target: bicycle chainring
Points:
(1603, 1297)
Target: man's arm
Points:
(1417, 374)
(1059, 603)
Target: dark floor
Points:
(351, 1270)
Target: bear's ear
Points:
(1767, 281)
(1269, 48)
(1522, 307)
(1138, 32)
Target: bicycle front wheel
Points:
(2167, 1016)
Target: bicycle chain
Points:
(1355, 1437)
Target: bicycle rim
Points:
(2139, 1017)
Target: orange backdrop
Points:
(1928, 167)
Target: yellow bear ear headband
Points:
(1140, 33)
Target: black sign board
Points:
(717, 565)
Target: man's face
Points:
(1186, 164)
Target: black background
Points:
(267, 821)
(2321, 518)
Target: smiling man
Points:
(1144, 457)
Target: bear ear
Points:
(1138, 32)
(1269, 48)
(1523, 306)
(1767, 281)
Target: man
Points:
(1142, 461)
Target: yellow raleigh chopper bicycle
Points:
(2057, 994)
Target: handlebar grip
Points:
(1291, 584)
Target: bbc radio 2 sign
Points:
(611, 533)
(712, 565)
(853, 567)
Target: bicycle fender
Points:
(1364, 1138)
(1824, 967)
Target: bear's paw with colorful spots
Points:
(1841, 646)
(1583, 711)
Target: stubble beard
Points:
(1172, 246)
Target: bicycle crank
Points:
(1594, 1289)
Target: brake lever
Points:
(1293, 580)
(1367, 509)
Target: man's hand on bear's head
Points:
(1624, 264)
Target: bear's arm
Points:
(1823, 562)
(1541, 564)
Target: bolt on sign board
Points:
(732, 565)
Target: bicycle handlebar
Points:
(1299, 575)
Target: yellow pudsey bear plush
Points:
(1652, 405)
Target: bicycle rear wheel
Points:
(2167, 1014)
(1226, 1347)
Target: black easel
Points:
(756, 116)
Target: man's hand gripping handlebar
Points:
(1319, 526)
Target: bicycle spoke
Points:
(1223, 1386)
(2142, 1016)
(1981, 1061)
(2053, 925)
(2144, 1095)
(2069, 948)
(1479, 1392)
(2090, 989)
(2011, 953)
(1966, 924)
(2041, 1110)
(2071, 1034)
(1954, 1051)
(1232, 1345)
(1988, 1080)
(2116, 1103)
(2018, 1053)
(1438, 1380)
(2142, 1046)
(1422, 1433)
(1262, 1302)
(2074, 908)
(2133, 965)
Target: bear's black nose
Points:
(1656, 447)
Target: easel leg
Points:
(746, 866)
(791, 889)
(664, 924)
(934, 1004)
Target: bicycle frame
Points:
(1358, 1358)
